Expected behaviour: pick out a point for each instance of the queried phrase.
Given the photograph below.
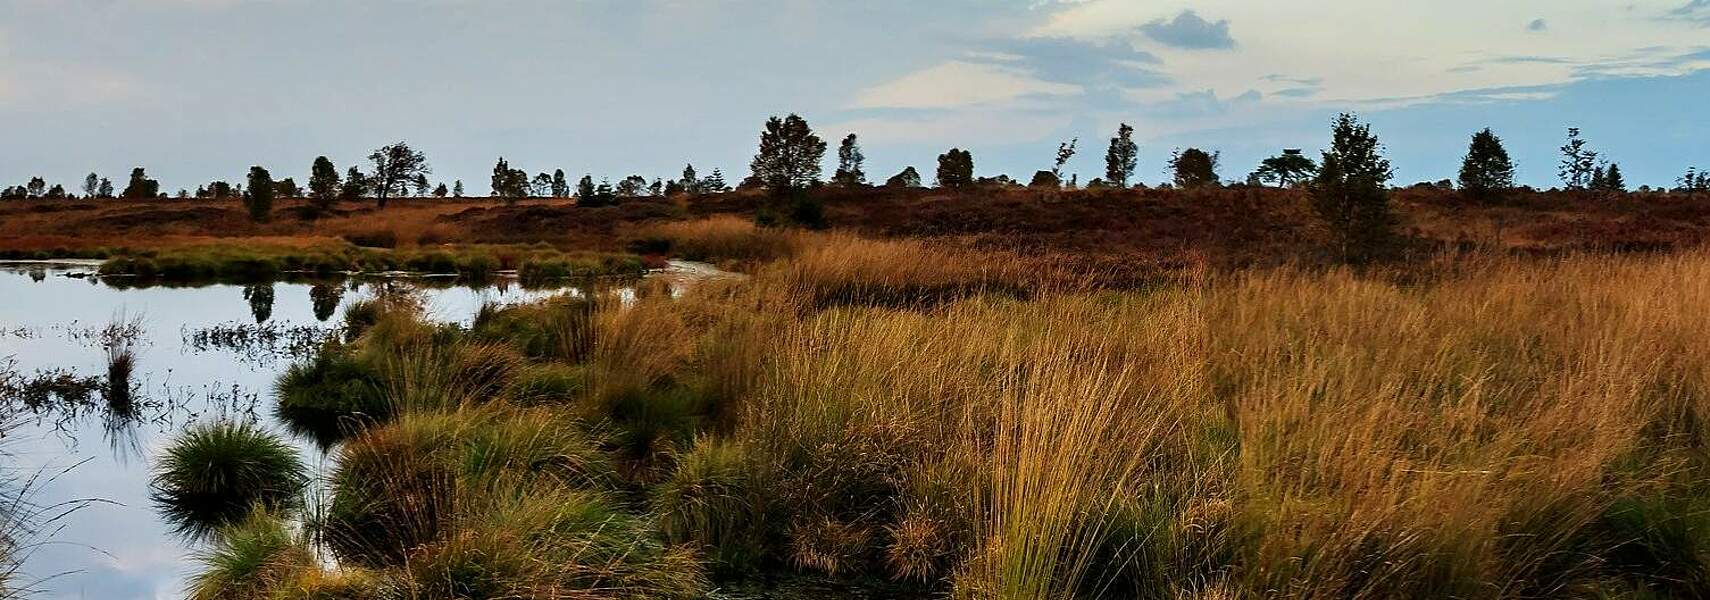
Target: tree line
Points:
(789, 158)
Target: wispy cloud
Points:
(1190, 31)
(1697, 11)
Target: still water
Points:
(202, 353)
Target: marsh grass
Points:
(29, 523)
(894, 410)
(261, 262)
(216, 474)
(726, 239)
(119, 341)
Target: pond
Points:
(201, 353)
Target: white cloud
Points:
(956, 84)
(1396, 48)
(968, 128)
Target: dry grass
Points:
(728, 239)
(1497, 428)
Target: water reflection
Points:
(324, 299)
(260, 299)
(198, 353)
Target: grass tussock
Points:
(215, 475)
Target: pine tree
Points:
(1350, 193)
(955, 169)
(789, 155)
(1065, 151)
(1613, 181)
(106, 190)
(140, 186)
(714, 183)
(560, 186)
(691, 182)
(1578, 162)
(586, 193)
(1122, 157)
(542, 185)
(355, 184)
(91, 185)
(907, 178)
(457, 189)
(1486, 171)
(849, 161)
(323, 183)
(396, 166)
(1194, 168)
(258, 198)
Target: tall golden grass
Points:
(1501, 428)
(1287, 433)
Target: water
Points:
(208, 352)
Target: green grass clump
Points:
(716, 500)
(560, 328)
(331, 396)
(552, 542)
(1660, 544)
(548, 384)
(215, 474)
(249, 559)
(395, 486)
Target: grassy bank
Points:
(476, 262)
(903, 416)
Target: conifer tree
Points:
(789, 155)
(955, 169)
(323, 182)
(849, 161)
(1486, 171)
(258, 197)
(1350, 194)
(1122, 157)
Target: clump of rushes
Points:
(560, 328)
(215, 474)
(249, 559)
(332, 395)
(714, 501)
(395, 487)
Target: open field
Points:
(1133, 230)
(918, 418)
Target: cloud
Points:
(959, 83)
(1189, 31)
(1537, 25)
(1201, 103)
(1092, 63)
(1697, 11)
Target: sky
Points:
(199, 90)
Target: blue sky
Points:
(197, 90)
